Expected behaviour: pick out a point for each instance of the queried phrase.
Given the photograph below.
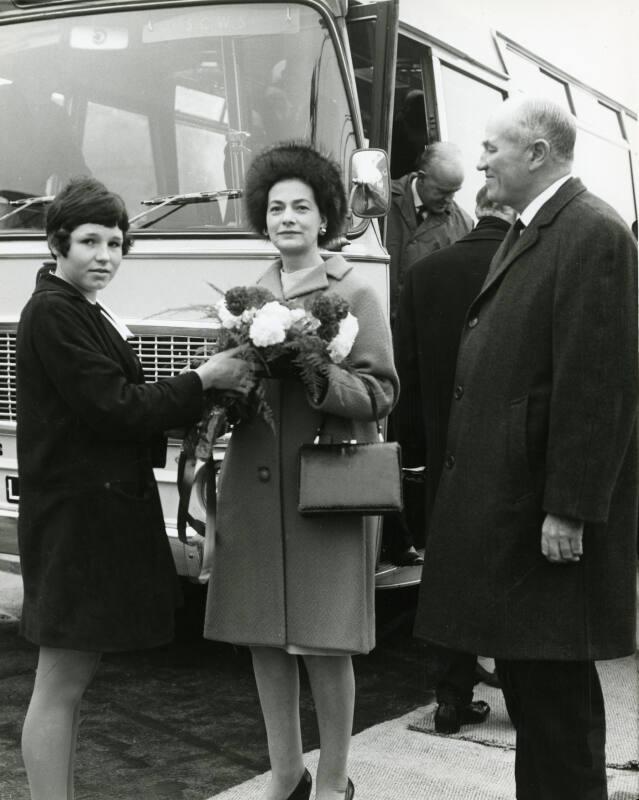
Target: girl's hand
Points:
(226, 370)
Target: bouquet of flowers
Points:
(281, 339)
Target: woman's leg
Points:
(333, 687)
(278, 685)
(50, 727)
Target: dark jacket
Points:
(406, 241)
(544, 423)
(97, 568)
(437, 292)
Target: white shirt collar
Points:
(120, 327)
(533, 207)
(417, 200)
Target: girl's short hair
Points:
(84, 200)
(296, 161)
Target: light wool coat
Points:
(280, 579)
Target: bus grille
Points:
(7, 376)
(161, 356)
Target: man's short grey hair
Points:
(439, 152)
(543, 119)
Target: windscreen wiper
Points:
(24, 203)
(179, 200)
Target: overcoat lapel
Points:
(119, 347)
(335, 267)
(511, 250)
(407, 206)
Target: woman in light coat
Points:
(284, 584)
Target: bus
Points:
(166, 101)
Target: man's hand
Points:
(561, 539)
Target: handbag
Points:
(350, 477)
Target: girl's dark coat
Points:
(544, 422)
(96, 564)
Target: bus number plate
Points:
(12, 488)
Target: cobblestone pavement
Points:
(183, 722)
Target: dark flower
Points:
(258, 296)
(329, 307)
(237, 300)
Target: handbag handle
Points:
(353, 439)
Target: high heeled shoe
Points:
(350, 790)
(303, 789)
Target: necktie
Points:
(513, 235)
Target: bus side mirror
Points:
(370, 189)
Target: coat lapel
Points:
(317, 280)
(119, 347)
(407, 206)
(510, 250)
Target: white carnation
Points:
(297, 314)
(248, 315)
(270, 324)
(342, 344)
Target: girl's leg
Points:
(277, 678)
(333, 687)
(50, 727)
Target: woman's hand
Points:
(226, 370)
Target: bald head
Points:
(440, 176)
(529, 145)
(534, 118)
(443, 157)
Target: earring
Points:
(265, 232)
(322, 230)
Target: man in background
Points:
(531, 552)
(424, 216)
(437, 292)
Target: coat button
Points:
(459, 392)
(264, 474)
(450, 462)
(472, 322)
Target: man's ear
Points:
(539, 154)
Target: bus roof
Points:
(21, 8)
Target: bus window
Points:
(597, 115)
(604, 167)
(131, 167)
(165, 100)
(468, 103)
(530, 78)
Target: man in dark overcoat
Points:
(437, 292)
(531, 553)
(423, 218)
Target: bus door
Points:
(442, 95)
(372, 34)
